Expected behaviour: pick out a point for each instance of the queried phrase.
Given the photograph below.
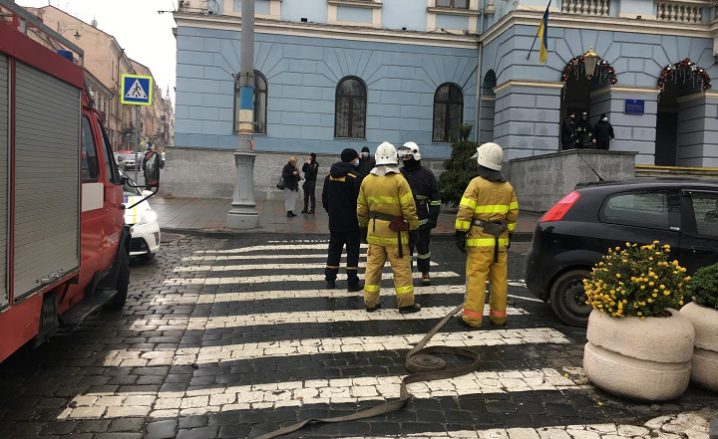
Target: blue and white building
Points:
(332, 74)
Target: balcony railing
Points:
(679, 12)
(586, 7)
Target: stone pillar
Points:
(698, 130)
(633, 132)
(527, 118)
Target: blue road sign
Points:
(136, 90)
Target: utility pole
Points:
(243, 214)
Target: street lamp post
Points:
(243, 214)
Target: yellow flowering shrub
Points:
(637, 281)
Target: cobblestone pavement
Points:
(233, 339)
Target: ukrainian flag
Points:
(543, 34)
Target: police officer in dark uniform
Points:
(568, 131)
(428, 204)
(339, 198)
(584, 132)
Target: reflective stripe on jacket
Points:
(487, 201)
(389, 194)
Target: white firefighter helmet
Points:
(489, 155)
(386, 154)
(412, 149)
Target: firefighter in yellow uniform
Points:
(487, 217)
(388, 221)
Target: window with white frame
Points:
(454, 4)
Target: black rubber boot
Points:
(410, 309)
(331, 285)
(373, 309)
(355, 288)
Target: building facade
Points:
(331, 74)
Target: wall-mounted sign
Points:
(634, 106)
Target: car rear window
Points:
(654, 209)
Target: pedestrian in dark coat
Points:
(603, 133)
(584, 132)
(568, 132)
(290, 174)
(339, 199)
(366, 161)
(310, 169)
(151, 165)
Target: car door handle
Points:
(700, 249)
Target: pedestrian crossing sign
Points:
(136, 90)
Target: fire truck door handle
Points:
(51, 277)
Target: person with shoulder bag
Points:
(291, 177)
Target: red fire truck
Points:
(64, 248)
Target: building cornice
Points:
(622, 89)
(696, 96)
(453, 11)
(316, 30)
(532, 17)
(352, 4)
(513, 83)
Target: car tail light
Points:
(558, 211)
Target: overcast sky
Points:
(145, 35)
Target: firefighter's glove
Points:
(413, 237)
(460, 238)
(431, 223)
(363, 232)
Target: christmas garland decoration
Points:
(604, 70)
(689, 70)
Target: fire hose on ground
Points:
(425, 367)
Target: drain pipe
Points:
(479, 72)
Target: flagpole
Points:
(536, 36)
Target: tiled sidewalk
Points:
(209, 216)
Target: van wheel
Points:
(568, 298)
(123, 284)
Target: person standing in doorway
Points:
(584, 132)
(339, 199)
(388, 223)
(366, 161)
(291, 176)
(310, 169)
(487, 216)
(568, 131)
(603, 133)
(428, 204)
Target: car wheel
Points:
(122, 285)
(568, 298)
(146, 257)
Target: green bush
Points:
(460, 168)
(704, 286)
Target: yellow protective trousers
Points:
(480, 266)
(376, 256)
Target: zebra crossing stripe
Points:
(303, 256)
(265, 248)
(298, 393)
(278, 318)
(303, 294)
(281, 278)
(313, 346)
(249, 267)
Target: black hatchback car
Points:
(571, 237)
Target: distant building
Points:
(332, 74)
(105, 62)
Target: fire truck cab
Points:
(64, 247)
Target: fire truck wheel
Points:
(123, 283)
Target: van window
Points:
(90, 167)
(705, 208)
(657, 209)
(110, 165)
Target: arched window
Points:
(260, 103)
(350, 110)
(448, 113)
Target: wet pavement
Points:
(234, 338)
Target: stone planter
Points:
(705, 355)
(645, 360)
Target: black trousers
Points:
(603, 144)
(337, 241)
(423, 251)
(309, 189)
